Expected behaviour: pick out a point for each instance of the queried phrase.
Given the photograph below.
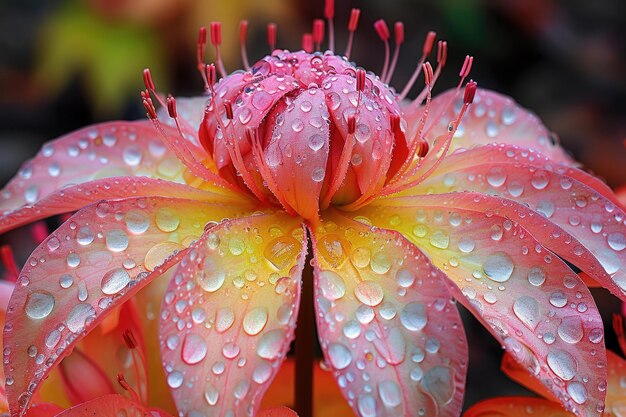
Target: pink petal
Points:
(560, 193)
(298, 152)
(74, 197)
(96, 260)
(516, 407)
(386, 322)
(518, 373)
(371, 154)
(190, 111)
(83, 378)
(229, 314)
(492, 118)
(111, 405)
(528, 298)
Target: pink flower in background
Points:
(408, 205)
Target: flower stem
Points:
(305, 344)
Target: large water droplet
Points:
(498, 267)
(211, 395)
(136, 222)
(224, 319)
(282, 251)
(439, 382)
(194, 349)
(526, 308)
(167, 219)
(332, 285)
(270, 344)
(85, 236)
(380, 263)
(367, 406)
(114, 281)
(571, 329)
(577, 391)
(262, 373)
(616, 241)
(334, 249)
(536, 276)
(389, 393)
(39, 305)
(562, 364)
(339, 356)
(413, 316)
(316, 142)
(369, 293)
(117, 240)
(496, 176)
(210, 280)
(78, 317)
(440, 239)
(255, 320)
(175, 379)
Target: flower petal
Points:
(278, 412)
(518, 373)
(111, 405)
(492, 118)
(229, 314)
(560, 193)
(96, 260)
(386, 322)
(516, 407)
(299, 165)
(529, 299)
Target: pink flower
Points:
(406, 207)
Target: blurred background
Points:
(68, 63)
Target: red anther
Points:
(147, 79)
(399, 32)
(216, 33)
(271, 35)
(354, 19)
(318, 31)
(351, 124)
(382, 29)
(428, 73)
(307, 43)
(329, 9)
(442, 52)
(122, 381)
(467, 66)
(470, 92)
(422, 148)
(210, 74)
(229, 109)
(429, 42)
(202, 36)
(171, 107)
(147, 103)
(129, 339)
(243, 31)
(360, 79)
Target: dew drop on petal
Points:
(369, 293)
(255, 320)
(78, 317)
(262, 373)
(116, 240)
(224, 319)
(536, 276)
(439, 382)
(175, 379)
(270, 344)
(571, 329)
(210, 280)
(616, 241)
(413, 316)
(39, 305)
(339, 356)
(114, 281)
(331, 285)
(577, 391)
(526, 308)
(562, 364)
(211, 395)
(389, 393)
(498, 267)
(167, 219)
(194, 349)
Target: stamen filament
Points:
(383, 33)
(428, 46)
(329, 13)
(243, 33)
(352, 25)
(399, 37)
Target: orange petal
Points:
(516, 407)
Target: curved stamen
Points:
(318, 33)
(399, 37)
(216, 41)
(201, 48)
(428, 46)
(383, 33)
(329, 14)
(243, 34)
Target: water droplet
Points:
(509, 116)
(405, 277)
(540, 180)
(496, 176)
(230, 350)
(157, 254)
(558, 299)
(114, 281)
(255, 320)
(332, 285)
(297, 125)
(339, 356)
(498, 267)
(413, 316)
(194, 349)
(351, 329)
(536, 276)
(616, 241)
(360, 257)
(306, 106)
(562, 364)
(66, 281)
(53, 338)
(334, 249)
(380, 263)
(117, 240)
(167, 219)
(39, 305)
(546, 208)
(270, 344)
(362, 133)
(439, 382)
(571, 329)
(224, 319)
(466, 244)
(492, 129)
(515, 188)
(78, 316)
(316, 142)
(389, 393)
(85, 236)
(526, 308)
(136, 222)
(211, 280)
(211, 395)
(261, 100)
(241, 389)
(73, 260)
(318, 174)
(175, 379)
(440, 239)
(577, 391)
(282, 251)
(245, 115)
(236, 246)
(262, 373)
(369, 293)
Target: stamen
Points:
(351, 124)
(147, 79)
(360, 79)
(343, 165)
(202, 38)
(171, 107)
(467, 66)
(216, 41)
(129, 339)
(271, 36)
(329, 14)
(442, 56)
(8, 261)
(211, 76)
(229, 109)
(352, 25)
(307, 43)
(383, 33)
(243, 34)
(399, 37)
(147, 103)
(426, 49)
(470, 92)
(318, 33)
(124, 384)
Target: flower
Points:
(404, 205)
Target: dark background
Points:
(66, 64)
